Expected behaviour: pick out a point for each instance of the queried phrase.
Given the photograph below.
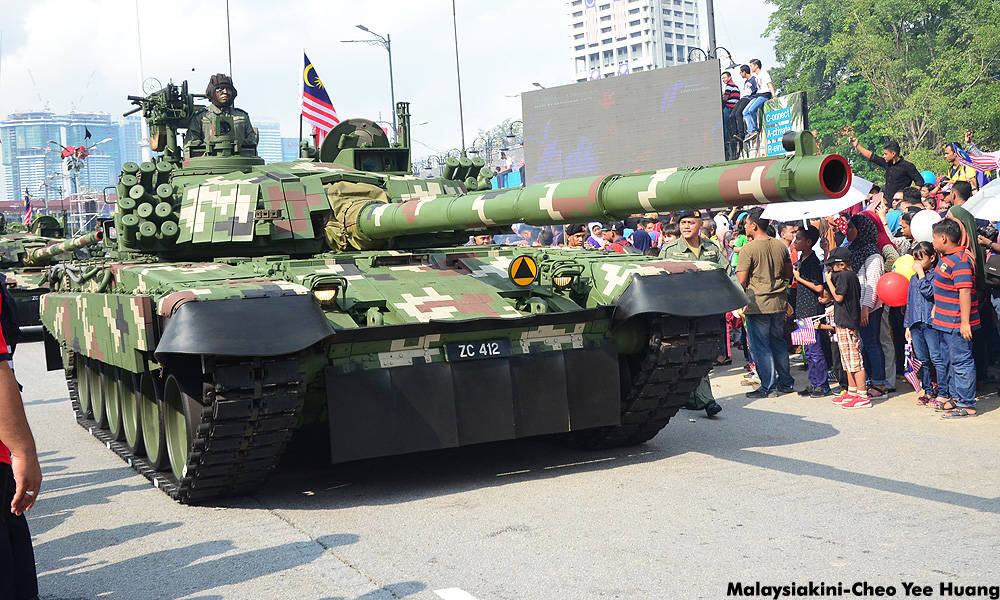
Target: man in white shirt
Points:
(764, 92)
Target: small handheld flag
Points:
(317, 110)
(913, 365)
(805, 334)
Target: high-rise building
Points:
(131, 140)
(269, 141)
(617, 37)
(31, 162)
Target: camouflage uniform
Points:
(246, 137)
(707, 251)
(201, 121)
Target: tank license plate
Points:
(476, 350)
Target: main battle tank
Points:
(24, 260)
(242, 301)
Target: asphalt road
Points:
(778, 490)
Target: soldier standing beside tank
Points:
(690, 246)
(222, 93)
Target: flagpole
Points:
(302, 99)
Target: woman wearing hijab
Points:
(641, 240)
(596, 240)
(869, 267)
(977, 256)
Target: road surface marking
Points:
(454, 594)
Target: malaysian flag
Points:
(317, 109)
(27, 209)
(618, 18)
(590, 21)
(805, 334)
(987, 161)
(913, 365)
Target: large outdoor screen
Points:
(650, 120)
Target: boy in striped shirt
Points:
(956, 316)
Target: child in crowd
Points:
(808, 273)
(956, 316)
(846, 290)
(670, 233)
(919, 330)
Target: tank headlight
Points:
(563, 281)
(326, 296)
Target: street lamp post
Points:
(75, 157)
(385, 42)
(713, 53)
(511, 137)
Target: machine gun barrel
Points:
(802, 176)
(45, 255)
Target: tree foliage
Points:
(919, 71)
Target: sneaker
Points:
(759, 393)
(844, 397)
(821, 392)
(750, 136)
(857, 402)
(782, 390)
(808, 391)
(713, 408)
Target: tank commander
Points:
(222, 93)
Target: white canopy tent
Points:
(785, 212)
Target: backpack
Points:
(992, 271)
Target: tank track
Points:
(681, 352)
(247, 414)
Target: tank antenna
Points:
(458, 73)
(229, 41)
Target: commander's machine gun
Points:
(171, 108)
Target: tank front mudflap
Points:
(244, 327)
(384, 412)
(690, 294)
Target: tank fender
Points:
(244, 327)
(687, 294)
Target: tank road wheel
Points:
(82, 369)
(96, 380)
(112, 401)
(181, 414)
(129, 400)
(152, 422)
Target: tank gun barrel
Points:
(802, 176)
(45, 255)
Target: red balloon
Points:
(892, 289)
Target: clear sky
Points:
(85, 54)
